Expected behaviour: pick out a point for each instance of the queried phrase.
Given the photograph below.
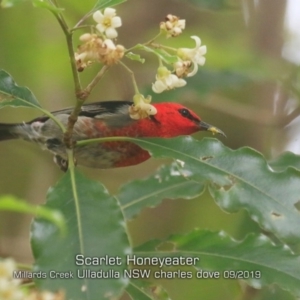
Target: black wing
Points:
(91, 109)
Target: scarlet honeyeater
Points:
(107, 119)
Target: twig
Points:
(94, 82)
(136, 90)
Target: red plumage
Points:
(108, 119)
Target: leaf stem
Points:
(82, 27)
(153, 39)
(136, 90)
(105, 139)
(52, 117)
(144, 44)
(75, 195)
(159, 46)
(82, 19)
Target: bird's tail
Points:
(7, 132)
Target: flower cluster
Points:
(97, 48)
(190, 57)
(10, 287)
(141, 108)
(187, 62)
(172, 26)
(100, 47)
(166, 81)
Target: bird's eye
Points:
(184, 112)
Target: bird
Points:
(107, 119)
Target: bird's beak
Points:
(212, 129)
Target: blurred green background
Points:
(248, 88)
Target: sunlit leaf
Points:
(13, 95)
(287, 159)
(96, 228)
(167, 182)
(10, 203)
(134, 56)
(255, 259)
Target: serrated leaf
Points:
(13, 95)
(286, 160)
(238, 179)
(255, 259)
(10, 3)
(167, 182)
(96, 228)
(101, 4)
(134, 56)
(163, 55)
(10, 203)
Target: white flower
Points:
(89, 51)
(111, 53)
(141, 108)
(107, 22)
(182, 68)
(173, 26)
(96, 50)
(166, 81)
(196, 55)
(9, 286)
(7, 266)
(9, 291)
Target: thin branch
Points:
(95, 81)
(136, 90)
(82, 19)
(150, 42)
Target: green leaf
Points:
(163, 55)
(167, 182)
(238, 179)
(10, 3)
(137, 293)
(255, 259)
(13, 95)
(144, 290)
(286, 160)
(47, 5)
(96, 228)
(134, 56)
(11, 203)
(101, 4)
